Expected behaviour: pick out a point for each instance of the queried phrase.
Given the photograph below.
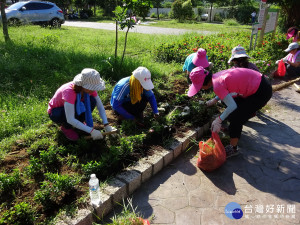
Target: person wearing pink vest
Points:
(292, 60)
(244, 91)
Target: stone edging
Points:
(125, 183)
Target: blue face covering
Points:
(84, 108)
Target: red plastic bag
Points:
(281, 68)
(212, 153)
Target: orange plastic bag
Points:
(212, 153)
(281, 68)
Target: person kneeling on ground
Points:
(131, 95)
(196, 59)
(292, 60)
(73, 103)
(239, 58)
(250, 88)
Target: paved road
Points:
(137, 29)
(264, 179)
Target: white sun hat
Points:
(89, 79)
(238, 52)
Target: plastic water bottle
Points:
(94, 190)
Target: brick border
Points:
(125, 183)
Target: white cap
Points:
(292, 46)
(238, 52)
(144, 77)
(93, 175)
(89, 79)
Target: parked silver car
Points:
(42, 13)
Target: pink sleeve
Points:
(94, 94)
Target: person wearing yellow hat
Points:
(131, 95)
(73, 103)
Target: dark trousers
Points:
(246, 107)
(292, 71)
(136, 109)
(58, 114)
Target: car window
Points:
(37, 6)
(16, 5)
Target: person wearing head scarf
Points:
(292, 60)
(196, 59)
(73, 103)
(131, 95)
(251, 92)
(239, 58)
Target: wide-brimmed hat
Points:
(238, 52)
(197, 77)
(292, 32)
(143, 75)
(89, 79)
(292, 46)
(200, 58)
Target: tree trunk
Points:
(95, 8)
(124, 46)
(116, 47)
(157, 13)
(211, 6)
(4, 21)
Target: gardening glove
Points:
(96, 135)
(216, 125)
(277, 62)
(156, 115)
(109, 128)
(211, 102)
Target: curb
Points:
(126, 182)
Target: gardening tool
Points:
(284, 85)
(297, 88)
(104, 133)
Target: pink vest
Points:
(291, 57)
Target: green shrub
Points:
(54, 189)
(50, 158)
(230, 22)
(163, 16)
(177, 12)
(187, 10)
(219, 48)
(35, 167)
(218, 17)
(9, 183)
(167, 4)
(19, 214)
(92, 167)
(153, 15)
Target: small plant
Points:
(92, 167)
(35, 167)
(128, 216)
(9, 183)
(54, 189)
(153, 15)
(20, 214)
(50, 158)
(231, 22)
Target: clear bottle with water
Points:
(94, 190)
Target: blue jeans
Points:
(58, 114)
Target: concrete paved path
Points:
(264, 179)
(137, 29)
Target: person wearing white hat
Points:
(239, 58)
(292, 60)
(73, 103)
(131, 95)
